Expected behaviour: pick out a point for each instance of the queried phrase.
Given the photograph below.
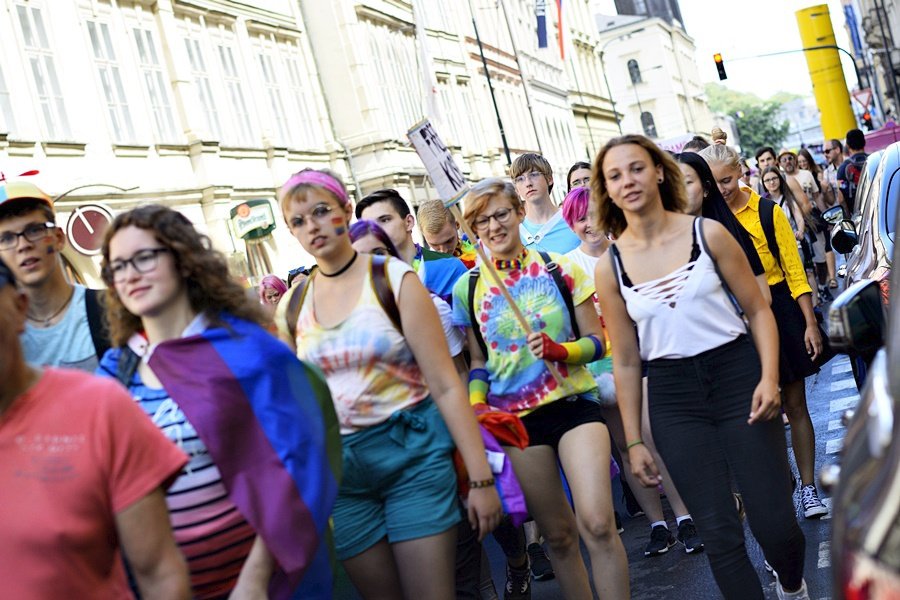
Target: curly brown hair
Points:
(610, 217)
(210, 287)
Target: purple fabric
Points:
(311, 177)
(508, 487)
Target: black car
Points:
(866, 501)
(867, 239)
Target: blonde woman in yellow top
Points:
(798, 330)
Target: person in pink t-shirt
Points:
(82, 474)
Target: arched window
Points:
(634, 70)
(648, 124)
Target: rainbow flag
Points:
(268, 422)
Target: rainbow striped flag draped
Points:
(268, 422)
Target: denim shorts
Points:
(399, 482)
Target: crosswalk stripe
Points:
(843, 384)
(843, 367)
(827, 503)
(824, 554)
(833, 446)
(835, 424)
(842, 404)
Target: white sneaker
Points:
(801, 594)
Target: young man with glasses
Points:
(64, 325)
(543, 228)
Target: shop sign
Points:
(253, 219)
(86, 226)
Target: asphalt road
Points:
(677, 575)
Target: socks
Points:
(655, 523)
(686, 517)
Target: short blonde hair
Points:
(672, 191)
(721, 155)
(482, 193)
(433, 216)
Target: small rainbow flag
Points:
(268, 422)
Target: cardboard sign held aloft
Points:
(447, 178)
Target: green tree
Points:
(727, 101)
(758, 126)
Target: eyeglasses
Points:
(769, 180)
(32, 233)
(319, 214)
(502, 216)
(787, 158)
(143, 261)
(583, 182)
(531, 176)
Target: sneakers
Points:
(661, 539)
(518, 584)
(540, 564)
(619, 528)
(801, 594)
(809, 500)
(688, 536)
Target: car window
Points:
(893, 193)
(862, 196)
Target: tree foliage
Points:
(757, 120)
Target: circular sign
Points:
(86, 226)
(243, 211)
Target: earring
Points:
(659, 180)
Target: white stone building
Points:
(653, 77)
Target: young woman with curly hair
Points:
(188, 344)
(670, 281)
(400, 403)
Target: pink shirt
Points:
(75, 450)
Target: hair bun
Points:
(718, 135)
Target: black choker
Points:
(342, 270)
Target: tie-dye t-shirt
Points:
(519, 382)
(367, 363)
(465, 251)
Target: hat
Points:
(786, 151)
(13, 191)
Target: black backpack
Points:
(95, 306)
(555, 273)
(853, 172)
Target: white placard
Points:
(447, 178)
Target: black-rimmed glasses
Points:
(143, 261)
(32, 233)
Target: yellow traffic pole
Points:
(826, 72)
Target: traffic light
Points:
(720, 66)
(867, 120)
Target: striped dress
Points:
(210, 531)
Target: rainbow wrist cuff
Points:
(582, 351)
(479, 382)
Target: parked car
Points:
(865, 543)
(867, 238)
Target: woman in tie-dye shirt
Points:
(396, 513)
(511, 372)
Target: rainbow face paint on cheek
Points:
(339, 227)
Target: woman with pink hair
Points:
(271, 289)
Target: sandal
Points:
(832, 283)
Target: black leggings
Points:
(699, 408)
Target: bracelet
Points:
(484, 483)
(634, 443)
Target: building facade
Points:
(653, 77)
(880, 24)
(208, 105)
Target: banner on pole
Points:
(447, 178)
(540, 11)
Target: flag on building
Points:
(540, 11)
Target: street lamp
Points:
(612, 101)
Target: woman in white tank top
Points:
(683, 287)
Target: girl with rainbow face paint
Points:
(400, 404)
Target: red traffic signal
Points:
(720, 66)
(867, 120)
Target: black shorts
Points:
(549, 423)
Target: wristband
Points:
(479, 382)
(484, 483)
(580, 352)
(634, 443)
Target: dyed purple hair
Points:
(365, 227)
(575, 205)
(271, 281)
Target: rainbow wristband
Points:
(582, 351)
(479, 382)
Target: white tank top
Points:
(684, 313)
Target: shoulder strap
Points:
(381, 283)
(474, 274)
(94, 305)
(767, 221)
(728, 292)
(295, 303)
(556, 273)
(126, 366)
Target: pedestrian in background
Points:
(670, 282)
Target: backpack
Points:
(95, 307)
(381, 284)
(853, 172)
(554, 271)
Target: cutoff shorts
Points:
(548, 424)
(399, 482)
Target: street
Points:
(679, 575)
